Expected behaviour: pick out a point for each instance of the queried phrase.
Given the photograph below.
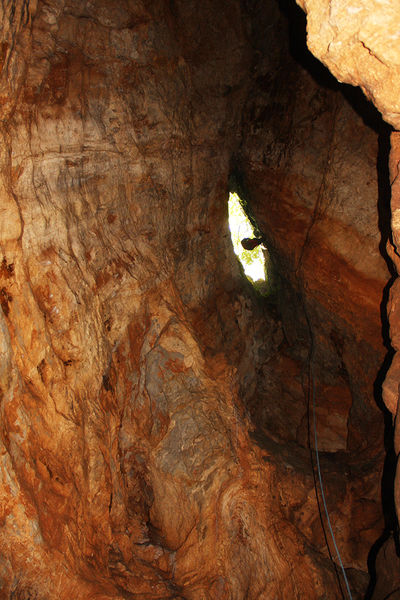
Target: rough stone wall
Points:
(358, 40)
(126, 466)
(308, 168)
(131, 348)
(391, 384)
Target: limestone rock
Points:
(127, 470)
(153, 408)
(359, 42)
(307, 168)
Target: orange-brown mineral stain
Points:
(136, 333)
(11, 422)
(102, 278)
(5, 507)
(6, 273)
(43, 297)
(5, 300)
(3, 53)
(54, 88)
(176, 365)
(16, 173)
(44, 372)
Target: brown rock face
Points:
(359, 43)
(311, 179)
(154, 419)
(360, 46)
(127, 469)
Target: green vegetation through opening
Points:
(253, 261)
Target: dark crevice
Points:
(297, 25)
(389, 467)
(269, 86)
(371, 117)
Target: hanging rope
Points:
(318, 211)
(312, 387)
(321, 485)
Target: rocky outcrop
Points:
(308, 170)
(127, 470)
(359, 43)
(153, 408)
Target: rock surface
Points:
(136, 360)
(127, 470)
(359, 42)
(308, 169)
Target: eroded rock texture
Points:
(308, 167)
(358, 40)
(127, 469)
(153, 410)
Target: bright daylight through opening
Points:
(253, 261)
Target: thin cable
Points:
(312, 392)
(321, 485)
(313, 387)
(319, 503)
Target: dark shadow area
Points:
(371, 117)
(297, 28)
(389, 467)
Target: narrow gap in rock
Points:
(248, 244)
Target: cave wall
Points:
(153, 409)
(127, 470)
(309, 167)
(359, 44)
(312, 169)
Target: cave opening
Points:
(307, 157)
(248, 246)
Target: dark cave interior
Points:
(156, 410)
(295, 298)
